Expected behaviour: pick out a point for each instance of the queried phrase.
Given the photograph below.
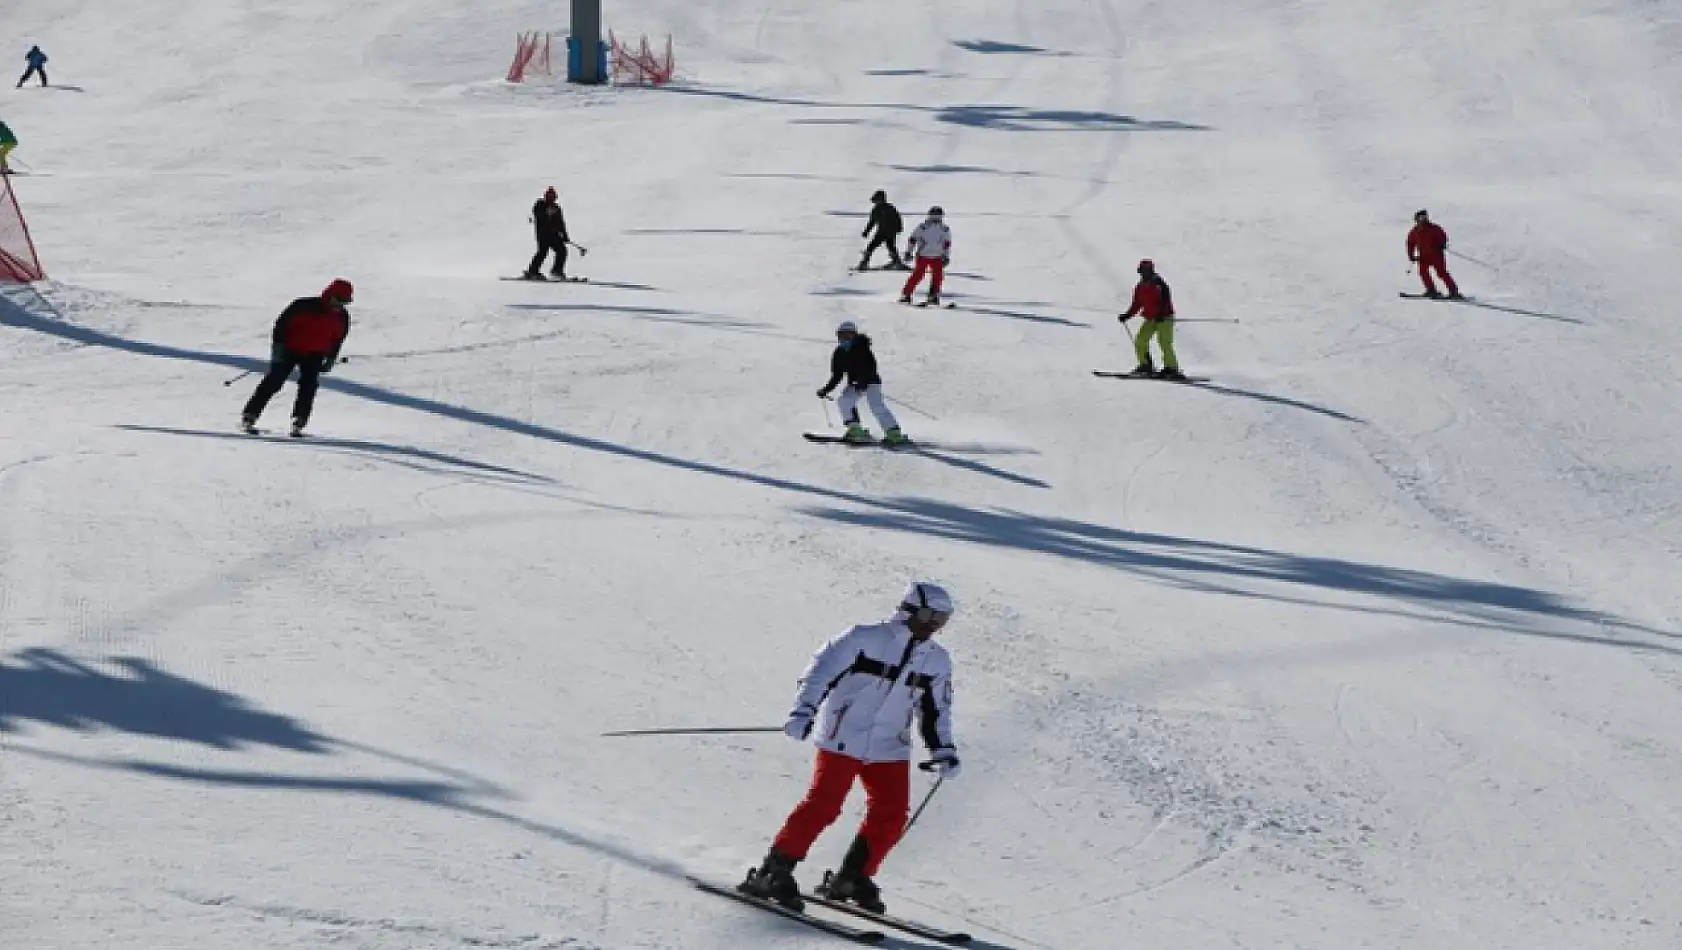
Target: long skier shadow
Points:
(1486, 305)
(396, 453)
(1259, 573)
(1276, 400)
(980, 468)
(1203, 566)
(623, 285)
(1023, 315)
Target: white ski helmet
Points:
(922, 595)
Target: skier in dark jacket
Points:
(551, 227)
(307, 336)
(852, 359)
(886, 222)
(37, 61)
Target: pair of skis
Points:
(836, 927)
(828, 439)
(1159, 379)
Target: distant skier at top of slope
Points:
(1153, 302)
(307, 337)
(853, 359)
(931, 242)
(551, 230)
(37, 61)
(1428, 246)
(870, 682)
(886, 222)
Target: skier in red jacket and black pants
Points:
(307, 337)
(1428, 245)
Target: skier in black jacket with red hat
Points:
(307, 337)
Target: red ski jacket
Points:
(1152, 299)
(312, 326)
(1427, 242)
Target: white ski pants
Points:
(849, 405)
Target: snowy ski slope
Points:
(1374, 642)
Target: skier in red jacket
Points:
(1428, 245)
(1154, 302)
(307, 337)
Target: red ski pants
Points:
(887, 786)
(930, 265)
(1426, 265)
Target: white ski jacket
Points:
(871, 681)
(932, 239)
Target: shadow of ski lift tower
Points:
(586, 56)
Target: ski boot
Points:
(904, 298)
(857, 434)
(899, 265)
(895, 437)
(851, 884)
(532, 275)
(1147, 368)
(933, 301)
(1456, 295)
(774, 881)
(297, 429)
(248, 425)
(864, 265)
(1434, 294)
(1171, 373)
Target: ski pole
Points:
(582, 250)
(230, 382)
(906, 405)
(926, 799)
(826, 421)
(704, 731)
(1468, 257)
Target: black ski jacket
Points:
(885, 219)
(551, 224)
(855, 362)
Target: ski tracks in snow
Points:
(399, 934)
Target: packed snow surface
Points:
(1375, 641)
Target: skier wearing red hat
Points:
(307, 337)
(551, 227)
(1153, 302)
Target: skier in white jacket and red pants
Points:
(931, 243)
(871, 682)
